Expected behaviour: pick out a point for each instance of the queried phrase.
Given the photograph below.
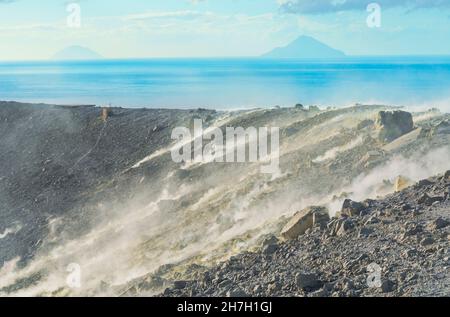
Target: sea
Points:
(230, 83)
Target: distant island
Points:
(305, 47)
(302, 47)
(76, 53)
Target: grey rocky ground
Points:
(404, 237)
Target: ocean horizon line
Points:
(171, 58)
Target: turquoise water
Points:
(228, 83)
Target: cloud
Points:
(327, 6)
(168, 15)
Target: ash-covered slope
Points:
(397, 246)
(100, 190)
(55, 158)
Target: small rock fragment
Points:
(427, 241)
(179, 284)
(438, 224)
(387, 286)
(307, 281)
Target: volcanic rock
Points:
(303, 221)
(393, 124)
(307, 281)
(352, 208)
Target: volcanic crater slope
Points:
(98, 187)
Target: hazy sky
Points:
(31, 29)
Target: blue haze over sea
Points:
(229, 83)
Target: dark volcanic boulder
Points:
(307, 281)
(393, 124)
(352, 208)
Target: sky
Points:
(33, 30)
